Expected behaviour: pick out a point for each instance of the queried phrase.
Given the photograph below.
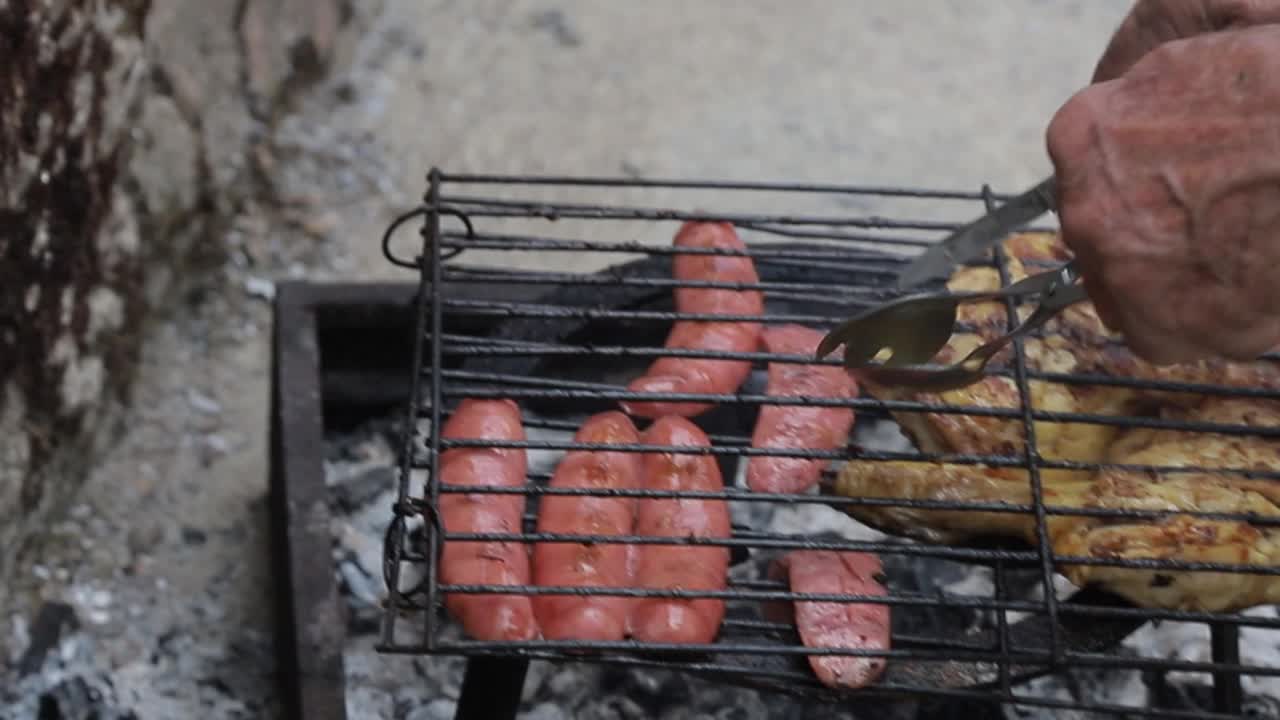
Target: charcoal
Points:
(434, 710)
(359, 586)
(1198, 697)
(366, 702)
(363, 619)
(616, 331)
(545, 711)
(614, 707)
(652, 689)
(52, 621)
(360, 471)
(77, 699)
(736, 713)
(535, 677)
(194, 536)
(447, 676)
(953, 709)
(610, 691)
(359, 490)
(563, 682)
(1262, 707)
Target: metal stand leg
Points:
(1158, 685)
(1228, 695)
(491, 689)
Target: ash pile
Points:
(63, 667)
(360, 472)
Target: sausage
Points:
(798, 427)
(699, 375)
(486, 616)
(683, 567)
(842, 625)
(589, 617)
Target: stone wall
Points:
(128, 132)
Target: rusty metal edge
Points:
(310, 617)
(311, 624)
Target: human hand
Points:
(1169, 195)
(1151, 23)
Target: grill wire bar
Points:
(574, 373)
(1032, 455)
(435, 265)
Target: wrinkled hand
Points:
(1169, 195)
(1151, 23)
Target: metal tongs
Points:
(911, 330)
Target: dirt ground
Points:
(170, 533)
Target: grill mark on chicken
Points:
(1076, 342)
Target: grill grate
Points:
(560, 350)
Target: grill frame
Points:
(437, 247)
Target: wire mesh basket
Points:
(590, 307)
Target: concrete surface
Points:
(942, 93)
(171, 534)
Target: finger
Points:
(1232, 14)
(1124, 49)
(1260, 338)
(1071, 141)
(1146, 312)
(1149, 24)
(1160, 348)
(1068, 139)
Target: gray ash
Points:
(66, 673)
(428, 687)
(358, 470)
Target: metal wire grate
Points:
(565, 340)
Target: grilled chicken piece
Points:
(1076, 342)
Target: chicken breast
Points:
(1077, 343)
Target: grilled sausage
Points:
(589, 617)
(682, 567)
(797, 427)
(486, 616)
(841, 625)
(699, 375)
